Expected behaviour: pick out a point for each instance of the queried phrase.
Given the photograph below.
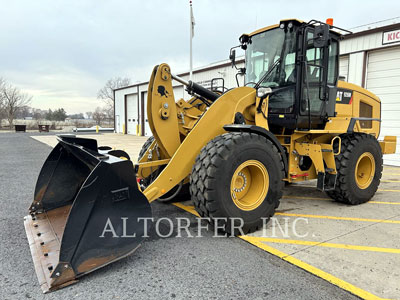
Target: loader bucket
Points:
(85, 213)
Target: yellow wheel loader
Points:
(293, 120)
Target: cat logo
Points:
(344, 96)
(339, 96)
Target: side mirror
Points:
(263, 92)
(232, 57)
(321, 36)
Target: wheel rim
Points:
(365, 170)
(249, 185)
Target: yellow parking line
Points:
(329, 199)
(379, 190)
(297, 262)
(338, 218)
(329, 245)
(384, 202)
(188, 208)
(390, 180)
(306, 198)
(192, 210)
(395, 174)
(313, 270)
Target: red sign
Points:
(391, 37)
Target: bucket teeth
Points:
(44, 236)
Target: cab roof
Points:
(299, 22)
(273, 26)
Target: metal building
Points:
(370, 57)
(130, 102)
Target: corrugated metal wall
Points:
(134, 117)
(383, 79)
(364, 60)
(344, 67)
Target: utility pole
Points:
(192, 23)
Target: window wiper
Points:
(268, 73)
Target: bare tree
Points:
(38, 114)
(109, 114)
(2, 102)
(98, 115)
(13, 100)
(107, 93)
(24, 112)
(89, 114)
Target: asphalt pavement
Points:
(162, 268)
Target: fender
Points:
(261, 131)
(209, 126)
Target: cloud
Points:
(64, 51)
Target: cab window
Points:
(333, 63)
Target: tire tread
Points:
(203, 181)
(343, 192)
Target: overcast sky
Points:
(62, 52)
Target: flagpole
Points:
(191, 37)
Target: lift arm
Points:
(210, 125)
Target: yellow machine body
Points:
(189, 128)
(232, 151)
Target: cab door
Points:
(319, 72)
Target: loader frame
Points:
(229, 146)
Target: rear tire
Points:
(221, 172)
(359, 167)
(178, 193)
(145, 146)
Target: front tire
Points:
(359, 167)
(237, 175)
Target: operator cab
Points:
(298, 61)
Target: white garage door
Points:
(383, 79)
(179, 92)
(147, 130)
(344, 66)
(132, 113)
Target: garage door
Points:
(383, 79)
(344, 67)
(132, 113)
(179, 92)
(147, 130)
